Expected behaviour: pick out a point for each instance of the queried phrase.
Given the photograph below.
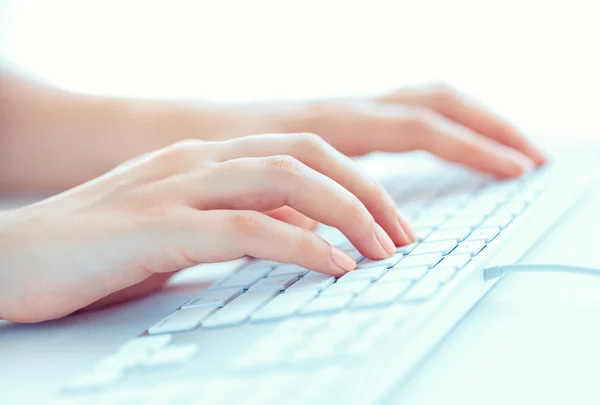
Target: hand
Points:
(436, 119)
(190, 203)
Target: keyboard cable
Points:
(496, 272)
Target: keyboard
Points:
(272, 332)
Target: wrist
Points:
(217, 122)
(275, 117)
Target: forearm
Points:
(52, 139)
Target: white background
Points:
(536, 61)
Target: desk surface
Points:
(533, 339)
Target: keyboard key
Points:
(316, 283)
(240, 309)
(403, 274)
(182, 320)
(352, 321)
(283, 306)
(354, 287)
(442, 274)
(285, 269)
(471, 221)
(454, 198)
(170, 355)
(498, 221)
(456, 234)
(425, 222)
(325, 304)
(145, 344)
(484, 234)
(389, 262)
(431, 217)
(527, 195)
(345, 245)
(213, 298)
(443, 248)
(423, 289)
(407, 248)
(355, 254)
(246, 276)
(511, 208)
(381, 294)
(428, 260)
(423, 232)
(314, 274)
(456, 261)
(478, 207)
(470, 248)
(502, 188)
(371, 274)
(277, 282)
(442, 210)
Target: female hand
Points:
(190, 203)
(437, 119)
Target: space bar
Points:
(240, 309)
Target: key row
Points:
(317, 294)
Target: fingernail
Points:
(539, 158)
(411, 235)
(342, 260)
(404, 238)
(384, 240)
(514, 166)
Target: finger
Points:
(459, 108)
(264, 184)
(293, 217)
(314, 152)
(453, 142)
(233, 234)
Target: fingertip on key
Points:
(411, 236)
(384, 240)
(342, 260)
(538, 157)
(513, 165)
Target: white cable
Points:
(493, 273)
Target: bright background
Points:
(535, 61)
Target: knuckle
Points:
(155, 209)
(305, 243)
(442, 95)
(188, 142)
(182, 153)
(472, 148)
(283, 164)
(354, 210)
(420, 122)
(309, 142)
(246, 223)
(184, 146)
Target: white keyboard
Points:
(283, 325)
(453, 226)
